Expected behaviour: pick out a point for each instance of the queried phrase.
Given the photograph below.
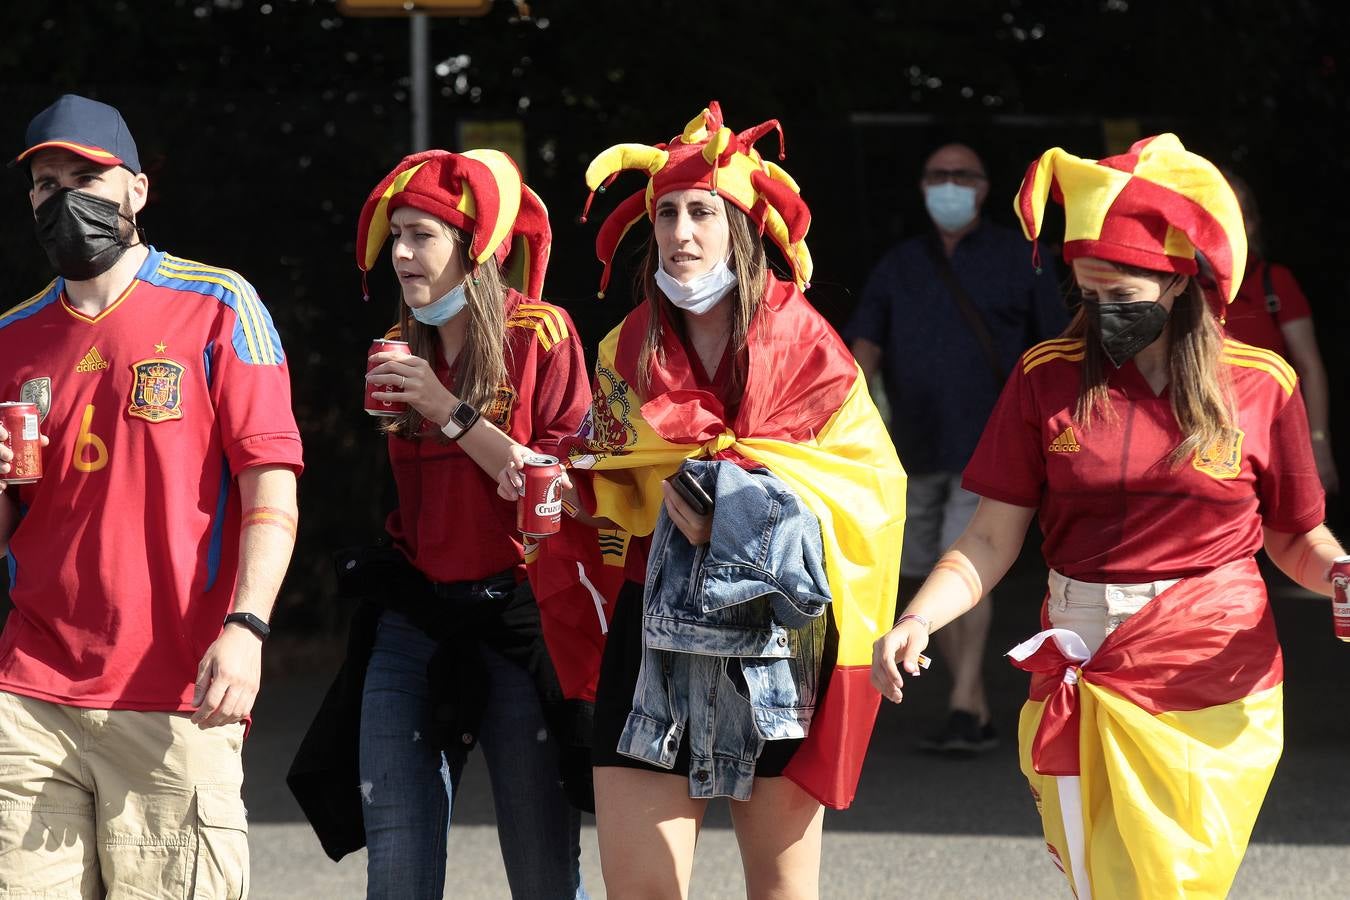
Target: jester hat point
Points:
(1152, 207)
(477, 191)
(712, 157)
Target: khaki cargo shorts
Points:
(118, 804)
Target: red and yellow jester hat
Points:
(710, 156)
(477, 191)
(1152, 207)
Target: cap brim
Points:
(93, 154)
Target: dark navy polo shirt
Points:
(937, 377)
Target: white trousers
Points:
(1092, 611)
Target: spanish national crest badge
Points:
(1223, 457)
(607, 429)
(498, 409)
(157, 390)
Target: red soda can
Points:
(1340, 596)
(539, 509)
(21, 421)
(384, 407)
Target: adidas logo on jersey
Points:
(1066, 442)
(93, 361)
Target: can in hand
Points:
(384, 407)
(539, 509)
(1340, 596)
(21, 421)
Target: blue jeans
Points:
(409, 786)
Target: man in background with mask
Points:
(145, 562)
(943, 318)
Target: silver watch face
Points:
(463, 415)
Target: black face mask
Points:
(1126, 328)
(82, 233)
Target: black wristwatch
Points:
(461, 420)
(251, 622)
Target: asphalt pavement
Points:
(922, 826)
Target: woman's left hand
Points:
(411, 380)
(696, 528)
(511, 479)
(896, 650)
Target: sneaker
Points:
(963, 734)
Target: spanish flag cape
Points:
(1149, 760)
(806, 416)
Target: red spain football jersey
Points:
(123, 564)
(450, 523)
(1112, 508)
(1248, 319)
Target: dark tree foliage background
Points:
(263, 126)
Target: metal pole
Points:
(418, 32)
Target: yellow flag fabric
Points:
(1149, 759)
(1167, 802)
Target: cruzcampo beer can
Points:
(539, 509)
(21, 421)
(1340, 596)
(384, 407)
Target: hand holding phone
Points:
(691, 492)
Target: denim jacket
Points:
(733, 632)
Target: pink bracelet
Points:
(915, 617)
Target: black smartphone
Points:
(687, 486)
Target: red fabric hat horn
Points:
(477, 191)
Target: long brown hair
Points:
(482, 361)
(747, 261)
(1201, 395)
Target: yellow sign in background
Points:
(506, 135)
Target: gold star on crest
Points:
(160, 347)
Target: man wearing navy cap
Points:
(145, 562)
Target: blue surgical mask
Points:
(444, 309)
(951, 205)
(700, 293)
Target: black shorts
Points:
(614, 697)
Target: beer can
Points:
(539, 509)
(21, 421)
(1340, 596)
(384, 407)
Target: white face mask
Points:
(443, 310)
(952, 206)
(700, 293)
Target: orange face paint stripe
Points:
(1309, 550)
(266, 515)
(961, 567)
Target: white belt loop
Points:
(1059, 590)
